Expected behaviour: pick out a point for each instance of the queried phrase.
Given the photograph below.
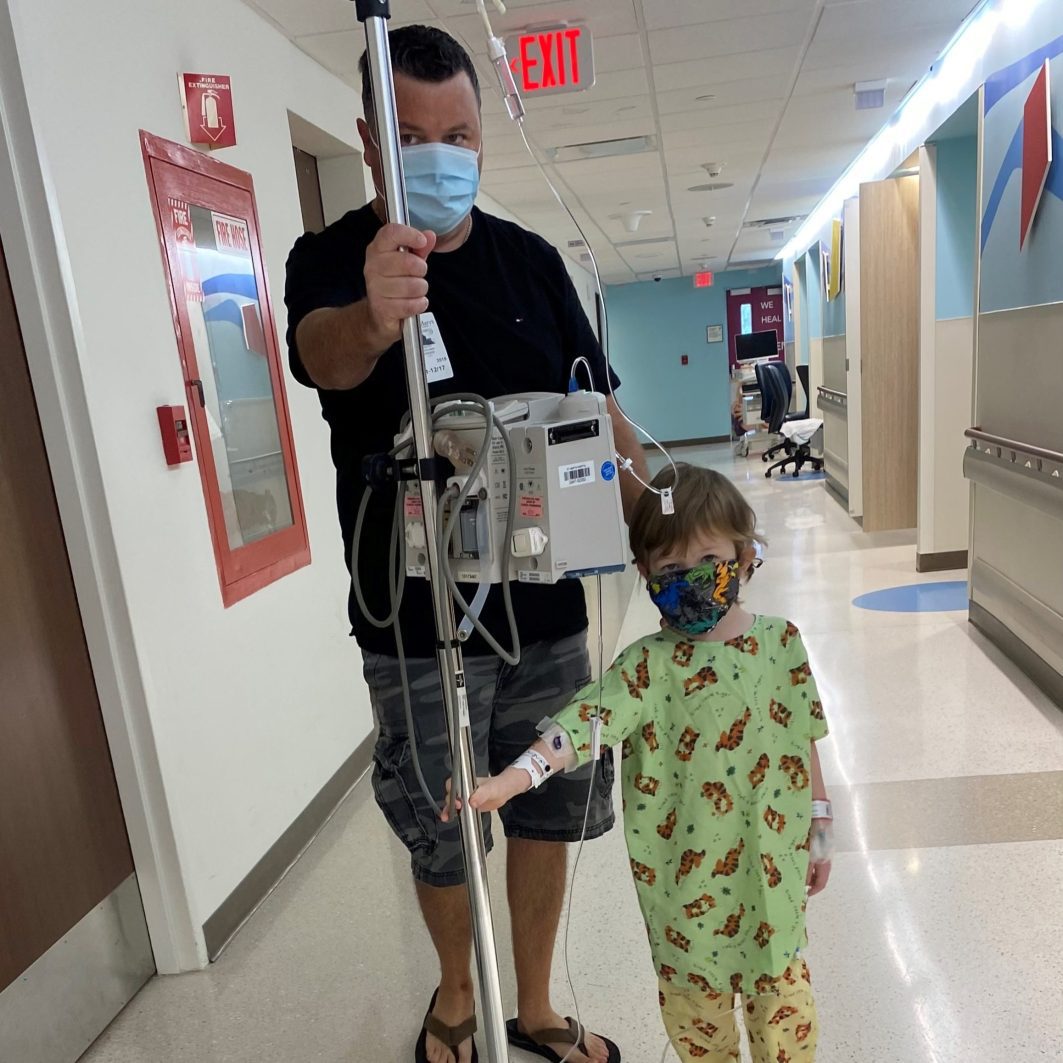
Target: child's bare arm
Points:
(496, 791)
(819, 789)
(819, 864)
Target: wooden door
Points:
(63, 844)
(889, 352)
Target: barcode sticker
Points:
(576, 475)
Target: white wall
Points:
(251, 709)
(946, 366)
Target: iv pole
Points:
(374, 14)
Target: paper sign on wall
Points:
(208, 102)
(231, 234)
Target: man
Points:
(509, 320)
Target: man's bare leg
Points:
(535, 873)
(446, 914)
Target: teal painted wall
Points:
(957, 226)
(651, 325)
(834, 315)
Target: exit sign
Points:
(703, 279)
(552, 60)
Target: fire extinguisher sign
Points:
(208, 102)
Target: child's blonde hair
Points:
(704, 500)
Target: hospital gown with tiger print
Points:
(716, 744)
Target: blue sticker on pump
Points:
(608, 470)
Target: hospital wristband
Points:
(536, 765)
(822, 810)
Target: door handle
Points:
(198, 385)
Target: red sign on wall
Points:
(704, 279)
(558, 59)
(1036, 149)
(209, 109)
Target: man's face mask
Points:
(695, 600)
(441, 185)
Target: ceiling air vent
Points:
(601, 149)
(870, 95)
(772, 223)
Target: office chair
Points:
(767, 395)
(782, 393)
(797, 432)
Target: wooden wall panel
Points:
(889, 325)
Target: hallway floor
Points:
(937, 940)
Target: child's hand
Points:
(492, 793)
(818, 877)
(821, 849)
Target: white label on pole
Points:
(436, 360)
(577, 475)
(463, 700)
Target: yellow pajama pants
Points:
(781, 1023)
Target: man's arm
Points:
(340, 346)
(628, 446)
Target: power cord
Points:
(593, 725)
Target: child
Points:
(718, 714)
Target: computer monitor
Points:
(756, 346)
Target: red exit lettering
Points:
(549, 60)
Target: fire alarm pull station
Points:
(176, 439)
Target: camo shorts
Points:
(506, 704)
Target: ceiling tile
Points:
(698, 72)
(622, 52)
(606, 18)
(872, 19)
(760, 115)
(300, 19)
(877, 54)
(724, 94)
(662, 14)
(739, 35)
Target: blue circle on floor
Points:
(949, 597)
(804, 477)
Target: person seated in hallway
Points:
(508, 320)
(727, 821)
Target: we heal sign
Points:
(552, 60)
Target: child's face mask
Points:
(695, 600)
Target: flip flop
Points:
(538, 1043)
(451, 1036)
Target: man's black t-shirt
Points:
(511, 322)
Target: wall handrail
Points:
(1028, 449)
(831, 393)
